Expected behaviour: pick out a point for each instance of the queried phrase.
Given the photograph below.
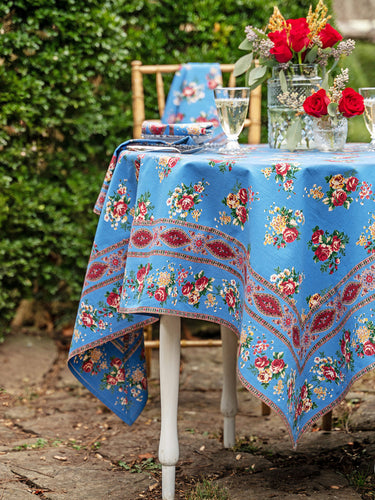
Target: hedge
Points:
(65, 105)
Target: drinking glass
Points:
(232, 106)
(368, 94)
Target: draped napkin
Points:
(191, 97)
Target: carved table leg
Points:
(229, 394)
(169, 355)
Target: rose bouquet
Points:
(339, 101)
(330, 109)
(294, 41)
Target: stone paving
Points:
(59, 442)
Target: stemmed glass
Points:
(232, 106)
(368, 94)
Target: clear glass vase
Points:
(289, 127)
(329, 134)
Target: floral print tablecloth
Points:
(278, 246)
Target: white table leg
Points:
(229, 395)
(169, 355)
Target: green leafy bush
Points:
(66, 104)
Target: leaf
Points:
(245, 45)
(311, 55)
(294, 134)
(256, 75)
(283, 84)
(332, 109)
(243, 64)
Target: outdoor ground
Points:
(59, 442)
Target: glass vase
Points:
(329, 134)
(289, 127)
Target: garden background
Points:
(66, 104)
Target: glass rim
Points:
(232, 88)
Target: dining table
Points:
(276, 247)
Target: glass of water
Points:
(368, 94)
(232, 106)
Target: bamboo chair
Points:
(252, 123)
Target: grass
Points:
(206, 490)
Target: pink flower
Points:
(282, 168)
(113, 300)
(277, 365)
(241, 214)
(261, 362)
(187, 288)
(87, 319)
(287, 287)
(329, 373)
(120, 208)
(88, 366)
(369, 348)
(186, 202)
(201, 283)
(339, 197)
(242, 194)
(161, 294)
(290, 234)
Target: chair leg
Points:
(169, 355)
(327, 421)
(266, 410)
(229, 395)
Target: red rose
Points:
(187, 288)
(277, 365)
(329, 372)
(241, 214)
(120, 377)
(282, 168)
(316, 104)
(88, 366)
(329, 36)
(113, 299)
(142, 273)
(339, 197)
(116, 362)
(290, 234)
(111, 380)
(303, 392)
(336, 244)
(351, 103)
(87, 319)
(323, 252)
(230, 299)
(261, 363)
(280, 49)
(186, 202)
(172, 161)
(316, 237)
(288, 287)
(343, 346)
(120, 208)
(298, 35)
(161, 294)
(352, 183)
(142, 207)
(201, 283)
(242, 194)
(369, 348)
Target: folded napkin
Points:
(155, 128)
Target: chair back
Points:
(253, 122)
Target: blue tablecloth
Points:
(278, 246)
